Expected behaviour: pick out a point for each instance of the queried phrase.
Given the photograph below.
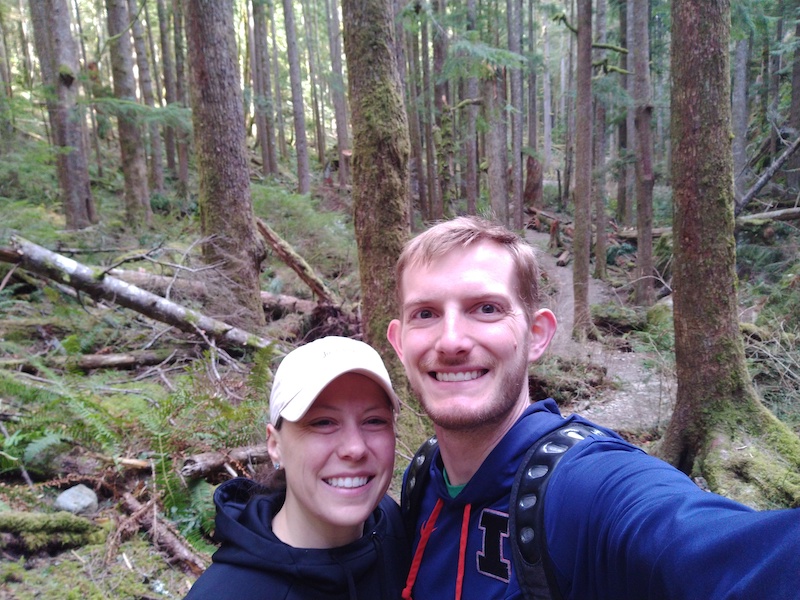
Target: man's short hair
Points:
(462, 232)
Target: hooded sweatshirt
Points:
(252, 563)
(619, 525)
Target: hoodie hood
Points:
(357, 570)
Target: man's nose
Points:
(453, 336)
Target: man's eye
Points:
(424, 314)
(488, 309)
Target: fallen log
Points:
(99, 285)
(201, 465)
(280, 304)
(296, 262)
(163, 536)
(765, 177)
(88, 362)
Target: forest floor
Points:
(639, 400)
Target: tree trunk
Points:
(298, 109)
(417, 164)
(380, 161)
(131, 143)
(146, 87)
(581, 241)
(226, 211)
(317, 107)
(515, 19)
(599, 156)
(623, 205)
(740, 117)
(263, 93)
(644, 289)
(793, 173)
(99, 285)
(496, 152)
(181, 99)
(547, 104)
(717, 407)
(284, 151)
(338, 92)
(57, 48)
(436, 211)
(168, 68)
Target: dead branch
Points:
(765, 177)
(282, 304)
(164, 537)
(296, 262)
(201, 465)
(87, 362)
(102, 286)
(786, 214)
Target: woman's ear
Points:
(273, 444)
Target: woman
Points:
(331, 532)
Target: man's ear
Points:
(393, 334)
(543, 328)
(273, 444)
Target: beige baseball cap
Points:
(307, 370)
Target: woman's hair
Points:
(463, 232)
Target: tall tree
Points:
(623, 202)
(263, 90)
(599, 152)
(180, 98)
(168, 69)
(515, 20)
(58, 56)
(471, 182)
(338, 92)
(146, 87)
(298, 110)
(716, 408)
(582, 322)
(226, 210)
(740, 116)
(380, 161)
(645, 178)
(131, 143)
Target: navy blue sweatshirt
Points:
(252, 563)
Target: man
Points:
(618, 523)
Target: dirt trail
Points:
(644, 397)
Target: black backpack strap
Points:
(526, 510)
(415, 482)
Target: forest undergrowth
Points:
(126, 433)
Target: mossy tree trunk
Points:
(380, 160)
(131, 141)
(718, 417)
(226, 210)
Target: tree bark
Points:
(99, 285)
(716, 405)
(645, 178)
(515, 20)
(57, 47)
(582, 321)
(180, 98)
(202, 465)
(380, 163)
(146, 87)
(168, 68)
(298, 110)
(131, 143)
(226, 210)
(740, 117)
(599, 155)
(263, 91)
(623, 202)
(338, 92)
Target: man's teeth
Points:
(462, 376)
(347, 482)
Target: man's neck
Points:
(463, 451)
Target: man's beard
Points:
(506, 397)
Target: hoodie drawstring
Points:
(351, 584)
(462, 550)
(376, 541)
(424, 536)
